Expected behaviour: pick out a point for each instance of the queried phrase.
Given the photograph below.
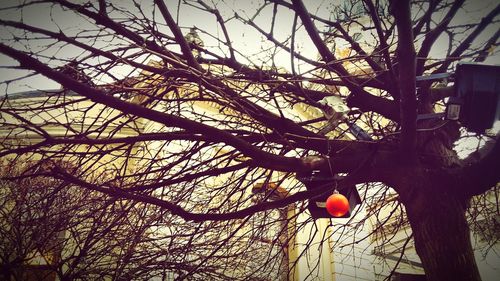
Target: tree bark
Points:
(442, 235)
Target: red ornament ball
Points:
(337, 205)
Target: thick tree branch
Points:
(268, 160)
(313, 33)
(439, 93)
(345, 35)
(363, 100)
(358, 93)
(384, 47)
(407, 78)
(433, 35)
(347, 156)
(426, 18)
(179, 37)
(481, 170)
(183, 213)
(488, 47)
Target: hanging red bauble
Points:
(337, 205)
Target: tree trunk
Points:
(442, 236)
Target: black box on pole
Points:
(478, 87)
(327, 182)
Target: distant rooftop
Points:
(40, 93)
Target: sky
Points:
(244, 38)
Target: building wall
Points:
(315, 252)
(321, 261)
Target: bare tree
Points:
(199, 169)
(51, 229)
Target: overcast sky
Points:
(244, 38)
